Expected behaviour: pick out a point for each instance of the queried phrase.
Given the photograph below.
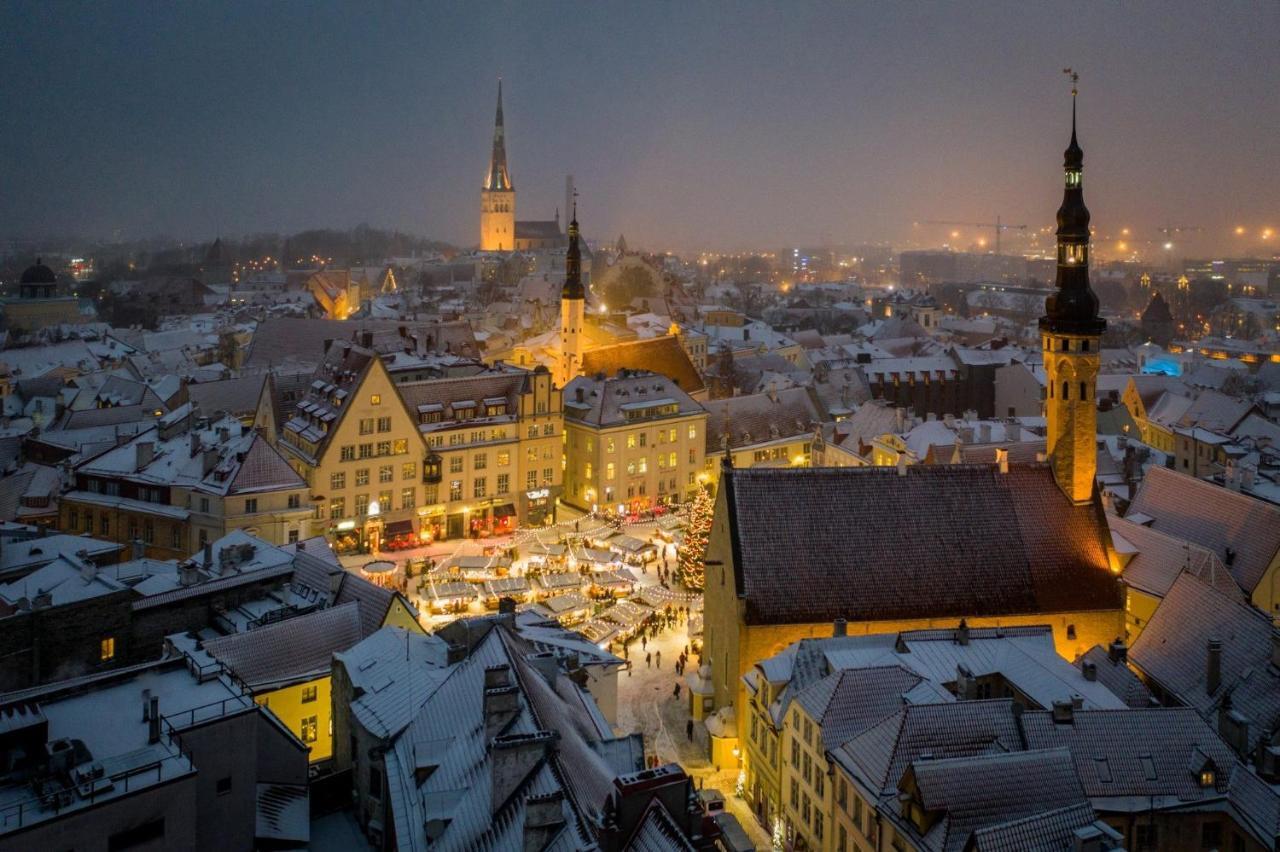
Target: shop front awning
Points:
(395, 528)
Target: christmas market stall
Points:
(446, 597)
(516, 588)
(632, 550)
(567, 609)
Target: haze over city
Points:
(725, 126)
(602, 427)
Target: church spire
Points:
(498, 178)
(573, 288)
(1073, 309)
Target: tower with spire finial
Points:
(573, 307)
(498, 197)
(1071, 337)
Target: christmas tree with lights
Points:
(693, 549)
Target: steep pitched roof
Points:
(1047, 830)
(1213, 517)
(1172, 651)
(264, 469)
(981, 790)
(662, 355)
(945, 540)
(290, 650)
(762, 417)
(1160, 558)
(1134, 752)
(1115, 675)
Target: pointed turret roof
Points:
(1157, 310)
(573, 288)
(1073, 308)
(498, 177)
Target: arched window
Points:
(1084, 393)
(1066, 390)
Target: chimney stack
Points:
(153, 720)
(962, 632)
(902, 464)
(208, 555)
(1213, 667)
(1063, 712)
(146, 451)
(840, 627)
(1002, 459)
(1090, 670)
(1118, 651)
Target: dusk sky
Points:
(745, 125)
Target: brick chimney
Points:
(1118, 652)
(840, 628)
(146, 451)
(543, 818)
(512, 758)
(1213, 667)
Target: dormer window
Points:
(1206, 777)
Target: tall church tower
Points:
(498, 198)
(573, 308)
(1071, 336)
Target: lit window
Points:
(375, 399)
(309, 693)
(310, 730)
(107, 649)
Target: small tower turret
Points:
(572, 307)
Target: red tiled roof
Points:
(662, 355)
(871, 544)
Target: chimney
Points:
(1063, 712)
(153, 720)
(1248, 475)
(366, 339)
(773, 391)
(146, 451)
(984, 433)
(902, 464)
(1233, 727)
(840, 628)
(195, 444)
(581, 393)
(1213, 667)
(1002, 459)
(146, 705)
(224, 434)
(1118, 652)
(966, 685)
(1090, 670)
(543, 817)
(512, 758)
(1229, 557)
(188, 574)
(210, 460)
(545, 664)
(88, 570)
(208, 555)
(900, 420)
(962, 633)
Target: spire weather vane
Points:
(1075, 78)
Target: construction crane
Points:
(997, 225)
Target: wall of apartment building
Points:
(58, 642)
(226, 750)
(631, 464)
(162, 537)
(792, 451)
(165, 811)
(274, 517)
(375, 432)
(541, 431)
(306, 709)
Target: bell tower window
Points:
(1073, 179)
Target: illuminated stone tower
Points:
(573, 308)
(498, 198)
(1071, 336)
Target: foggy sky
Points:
(687, 125)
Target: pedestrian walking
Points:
(658, 659)
(688, 730)
(644, 640)
(675, 693)
(647, 659)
